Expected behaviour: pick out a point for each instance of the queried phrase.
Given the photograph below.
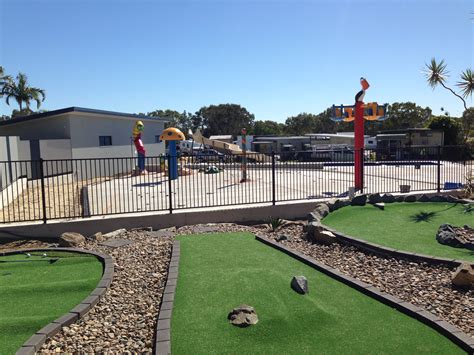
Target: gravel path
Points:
(125, 318)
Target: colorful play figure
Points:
(137, 140)
(357, 113)
(172, 135)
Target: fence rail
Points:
(63, 189)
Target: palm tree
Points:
(437, 73)
(4, 79)
(23, 93)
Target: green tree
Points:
(450, 127)
(22, 93)
(301, 124)
(4, 80)
(403, 115)
(223, 119)
(181, 120)
(436, 73)
(267, 128)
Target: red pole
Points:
(359, 136)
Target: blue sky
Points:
(276, 58)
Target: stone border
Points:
(324, 208)
(451, 332)
(163, 326)
(34, 343)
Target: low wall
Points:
(89, 226)
(11, 192)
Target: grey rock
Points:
(300, 284)
(424, 198)
(283, 237)
(331, 203)
(359, 200)
(161, 234)
(388, 198)
(464, 276)
(341, 203)
(97, 237)
(380, 205)
(399, 198)
(116, 243)
(410, 198)
(447, 235)
(452, 199)
(313, 217)
(321, 209)
(375, 198)
(243, 316)
(438, 198)
(71, 239)
(205, 229)
(115, 233)
(312, 226)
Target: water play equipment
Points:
(172, 135)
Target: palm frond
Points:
(436, 72)
(467, 83)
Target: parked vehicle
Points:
(210, 155)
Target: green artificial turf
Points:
(218, 272)
(32, 294)
(404, 226)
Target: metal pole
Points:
(43, 190)
(273, 180)
(169, 185)
(439, 169)
(244, 155)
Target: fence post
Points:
(43, 194)
(273, 180)
(362, 168)
(439, 169)
(169, 185)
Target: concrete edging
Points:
(163, 326)
(34, 343)
(451, 332)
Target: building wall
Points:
(56, 127)
(10, 171)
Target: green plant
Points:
(274, 223)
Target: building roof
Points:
(79, 110)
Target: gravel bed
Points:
(125, 318)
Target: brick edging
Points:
(34, 343)
(163, 326)
(394, 253)
(451, 332)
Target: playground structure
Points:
(137, 140)
(358, 113)
(172, 135)
(229, 148)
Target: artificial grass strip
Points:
(218, 272)
(404, 226)
(34, 292)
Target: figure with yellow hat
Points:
(137, 140)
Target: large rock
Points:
(71, 239)
(464, 276)
(359, 200)
(313, 217)
(375, 198)
(115, 233)
(400, 198)
(243, 316)
(388, 198)
(424, 198)
(438, 198)
(317, 234)
(331, 203)
(283, 237)
(456, 237)
(380, 205)
(321, 209)
(341, 203)
(410, 198)
(300, 284)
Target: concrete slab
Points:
(116, 243)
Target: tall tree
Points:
(268, 128)
(436, 73)
(223, 119)
(450, 127)
(4, 80)
(181, 120)
(402, 115)
(22, 93)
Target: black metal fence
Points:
(64, 189)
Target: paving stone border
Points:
(163, 326)
(34, 343)
(324, 208)
(451, 332)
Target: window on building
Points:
(105, 140)
(157, 139)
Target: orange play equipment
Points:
(372, 112)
